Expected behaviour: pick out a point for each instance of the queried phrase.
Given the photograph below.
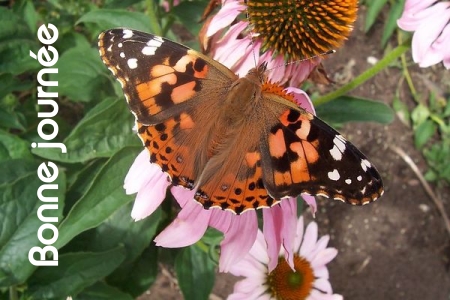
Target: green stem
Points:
(13, 293)
(366, 75)
(153, 16)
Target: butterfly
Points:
(241, 143)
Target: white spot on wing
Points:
(359, 178)
(348, 181)
(152, 45)
(365, 164)
(132, 63)
(120, 45)
(334, 175)
(127, 33)
(109, 48)
(338, 148)
(122, 54)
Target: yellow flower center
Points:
(300, 29)
(286, 284)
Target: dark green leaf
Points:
(80, 74)
(424, 132)
(193, 266)
(74, 272)
(103, 131)
(104, 197)
(110, 18)
(347, 108)
(189, 14)
(18, 211)
(139, 275)
(102, 291)
(9, 83)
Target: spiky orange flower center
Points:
(286, 284)
(303, 28)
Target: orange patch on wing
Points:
(183, 92)
(304, 130)
(186, 121)
(277, 146)
(160, 70)
(299, 168)
(282, 178)
(252, 158)
(283, 118)
(310, 152)
(183, 62)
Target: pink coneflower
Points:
(308, 281)
(278, 32)
(430, 22)
(150, 183)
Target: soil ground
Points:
(396, 247)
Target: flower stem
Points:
(366, 75)
(152, 14)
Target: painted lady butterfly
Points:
(242, 143)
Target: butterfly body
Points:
(241, 143)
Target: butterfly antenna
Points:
(308, 58)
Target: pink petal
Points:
(225, 16)
(317, 295)
(324, 257)
(259, 249)
(289, 210)
(272, 227)
(299, 234)
(321, 272)
(140, 171)
(239, 239)
(150, 195)
(323, 285)
(311, 201)
(302, 99)
(309, 240)
(189, 226)
(182, 195)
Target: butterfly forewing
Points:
(170, 88)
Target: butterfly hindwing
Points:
(305, 155)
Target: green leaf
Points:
(16, 41)
(390, 24)
(373, 10)
(11, 146)
(104, 197)
(74, 272)
(18, 212)
(424, 132)
(79, 74)
(102, 291)
(102, 132)
(348, 108)
(420, 114)
(192, 267)
(28, 13)
(139, 275)
(110, 18)
(402, 111)
(189, 14)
